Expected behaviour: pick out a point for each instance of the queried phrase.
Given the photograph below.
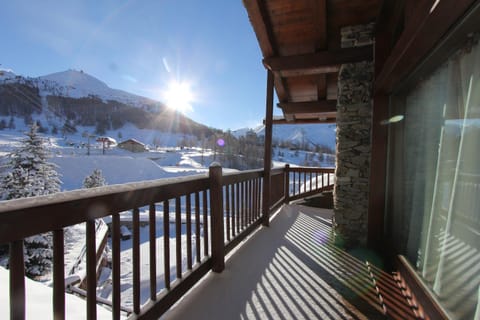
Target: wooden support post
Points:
(216, 207)
(17, 281)
(287, 183)
(91, 271)
(268, 150)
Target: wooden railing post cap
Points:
(215, 164)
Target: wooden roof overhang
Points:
(300, 42)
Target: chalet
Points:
(133, 145)
(401, 81)
(106, 142)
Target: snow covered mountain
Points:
(74, 98)
(311, 135)
(82, 100)
(78, 84)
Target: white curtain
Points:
(435, 174)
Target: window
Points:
(433, 206)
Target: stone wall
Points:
(354, 113)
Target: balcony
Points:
(292, 268)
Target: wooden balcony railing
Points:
(225, 209)
(306, 181)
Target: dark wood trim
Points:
(421, 292)
(422, 33)
(303, 121)
(267, 160)
(319, 59)
(378, 173)
(308, 106)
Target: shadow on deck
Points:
(292, 270)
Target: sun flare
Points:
(179, 96)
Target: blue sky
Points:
(140, 46)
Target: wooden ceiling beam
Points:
(308, 107)
(319, 59)
(312, 71)
(303, 121)
(319, 17)
(262, 26)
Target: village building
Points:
(133, 145)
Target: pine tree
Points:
(96, 179)
(32, 175)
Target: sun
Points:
(179, 96)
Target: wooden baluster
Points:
(304, 182)
(178, 237)
(189, 232)
(254, 199)
(152, 223)
(234, 216)
(310, 175)
(197, 226)
(205, 223)
(136, 260)
(244, 205)
(58, 275)
(166, 243)
(116, 299)
(91, 271)
(238, 207)
(227, 210)
(250, 201)
(17, 280)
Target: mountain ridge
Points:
(76, 98)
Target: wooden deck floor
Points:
(292, 270)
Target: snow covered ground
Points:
(39, 302)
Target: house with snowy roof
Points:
(133, 145)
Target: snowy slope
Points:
(39, 301)
(6, 74)
(78, 84)
(115, 169)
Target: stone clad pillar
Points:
(353, 143)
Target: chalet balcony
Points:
(292, 269)
(219, 212)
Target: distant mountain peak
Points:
(77, 79)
